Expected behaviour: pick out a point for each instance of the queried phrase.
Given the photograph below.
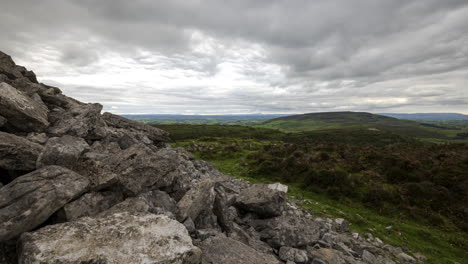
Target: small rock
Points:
(262, 200)
(293, 255)
(406, 258)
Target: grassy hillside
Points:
(360, 120)
(417, 188)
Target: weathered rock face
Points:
(18, 153)
(154, 134)
(288, 230)
(30, 199)
(8, 67)
(22, 112)
(80, 121)
(89, 204)
(221, 249)
(119, 238)
(63, 151)
(262, 200)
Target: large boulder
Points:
(8, 67)
(18, 153)
(83, 121)
(288, 231)
(29, 200)
(23, 113)
(89, 204)
(119, 238)
(197, 199)
(221, 249)
(261, 199)
(153, 133)
(63, 151)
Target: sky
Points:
(246, 56)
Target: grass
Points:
(440, 246)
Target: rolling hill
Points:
(357, 120)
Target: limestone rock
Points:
(3, 121)
(197, 199)
(30, 199)
(18, 153)
(293, 254)
(22, 112)
(119, 238)
(80, 121)
(221, 249)
(262, 200)
(154, 134)
(89, 204)
(326, 255)
(63, 151)
(8, 67)
(288, 230)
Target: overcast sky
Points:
(246, 56)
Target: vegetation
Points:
(440, 131)
(375, 179)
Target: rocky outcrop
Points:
(119, 238)
(22, 112)
(30, 199)
(78, 186)
(18, 153)
(63, 151)
(221, 249)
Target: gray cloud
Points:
(247, 56)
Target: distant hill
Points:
(428, 116)
(353, 120)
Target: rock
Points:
(222, 206)
(89, 204)
(8, 67)
(160, 202)
(30, 199)
(8, 253)
(368, 257)
(406, 258)
(197, 199)
(293, 254)
(3, 121)
(119, 238)
(221, 249)
(262, 200)
(39, 138)
(278, 187)
(288, 230)
(63, 151)
(80, 121)
(22, 112)
(18, 153)
(340, 225)
(154, 134)
(141, 168)
(326, 255)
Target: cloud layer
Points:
(243, 56)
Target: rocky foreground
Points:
(78, 186)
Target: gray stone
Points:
(326, 255)
(80, 121)
(18, 153)
(119, 238)
(197, 199)
(262, 200)
(22, 112)
(90, 204)
(406, 258)
(30, 199)
(8, 67)
(288, 230)
(63, 151)
(160, 202)
(154, 134)
(221, 249)
(3, 121)
(39, 138)
(293, 254)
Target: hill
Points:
(427, 116)
(359, 120)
